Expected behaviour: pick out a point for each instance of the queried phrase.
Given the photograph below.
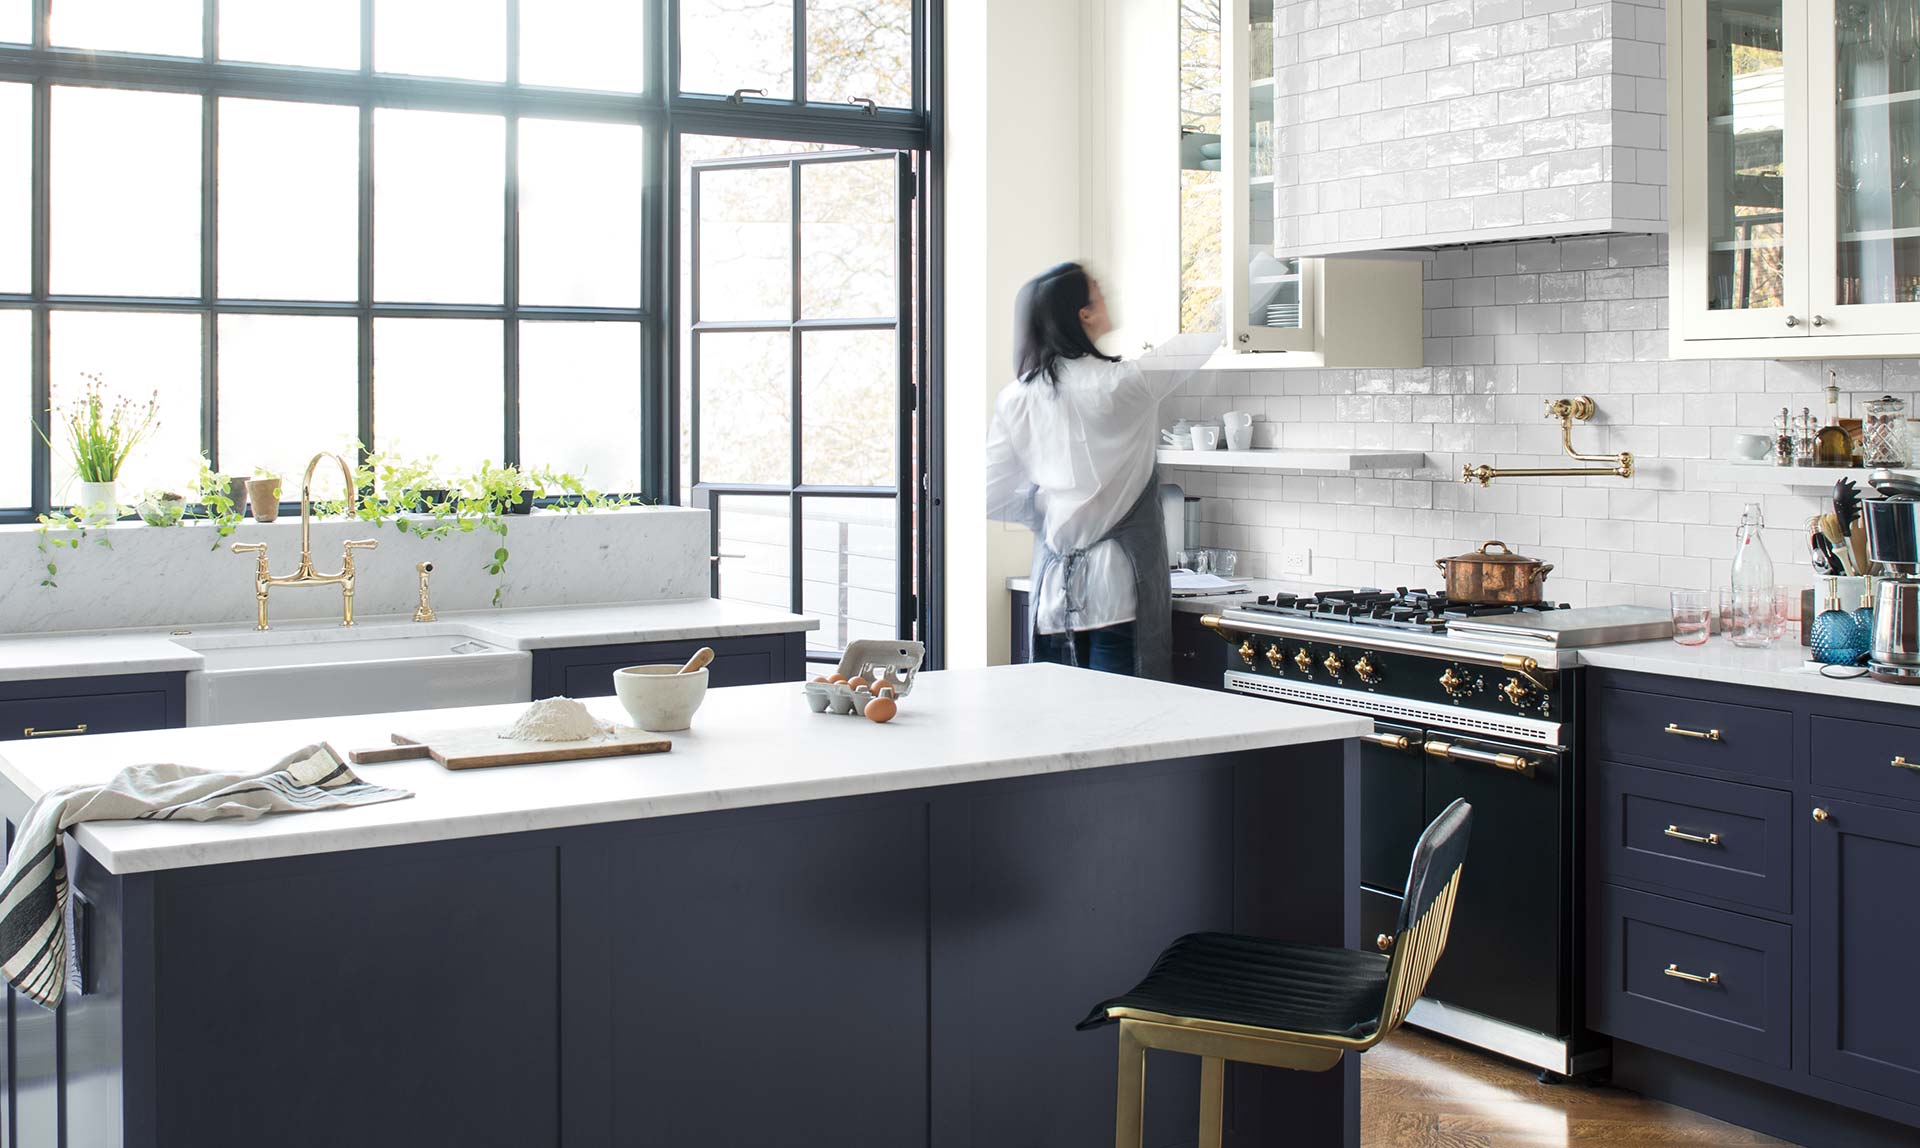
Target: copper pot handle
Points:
(1441, 563)
(1540, 573)
(1486, 547)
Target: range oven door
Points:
(1393, 804)
(1505, 951)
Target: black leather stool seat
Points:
(1259, 983)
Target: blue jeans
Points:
(1108, 649)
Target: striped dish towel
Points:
(33, 887)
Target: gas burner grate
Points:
(1400, 608)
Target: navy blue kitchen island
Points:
(793, 930)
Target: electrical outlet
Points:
(1297, 562)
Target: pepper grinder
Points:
(1804, 438)
(1783, 447)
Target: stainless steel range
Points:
(1473, 702)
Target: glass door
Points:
(1744, 204)
(1866, 116)
(1269, 295)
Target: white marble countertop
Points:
(78, 655)
(1783, 666)
(750, 745)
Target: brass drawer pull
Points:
(1710, 735)
(1678, 833)
(1903, 763)
(1692, 978)
(74, 732)
(1399, 741)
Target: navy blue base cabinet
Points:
(587, 671)
(1753, 860)
(893, 970)
(1199, 656)
(75, 707)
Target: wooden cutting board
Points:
(478, 749)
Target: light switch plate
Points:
(1297, 562)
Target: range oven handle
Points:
(1511, 762)
(1394, 741)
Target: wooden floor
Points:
(1424, 1092)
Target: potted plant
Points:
(263, 494)
(161, 508)
(99, 433)
(511, 489)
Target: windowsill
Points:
(292, 521)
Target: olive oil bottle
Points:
(1833, 446)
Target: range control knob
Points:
(1366, 671)
(1456, 685)
(1275, 657)
(1333, 664)
(1517, 692)
(1247, 652)
(1304, 660)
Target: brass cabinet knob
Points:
(1275, 656)
(1304, 660)
(1247, 652)
(1333, 664)
(1516, 692)
(1383, 942)
(1365, 670)
(1454, 684)
(1821, 815)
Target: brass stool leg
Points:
(1129, 1117)
(1213, 1095)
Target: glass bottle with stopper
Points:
(1750, 619)
(1832, 446)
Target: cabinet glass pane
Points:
(289, 200)
(105, 240)
(745, 233)
(849, 567)
(16, 403)
(849, 386)
(860, 49)
(288, 387)
(756, 548)
(438, 390)
(314, 33)
(599, 44)
(438, 207)
(580, 401)
(745, 407)
(1746, 125)
(847, 240)
(1877, 149)
(16, 187)
(1273, 279)
(730, 44)
(466, 39)
(580, 226)
(158, 27)
(139, 356)
(1200, 196)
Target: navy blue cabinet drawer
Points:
(77, 707)
(1702, 983)
(1693, 732)
(1694, 835)
(1870, 756)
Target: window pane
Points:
(463, 38)
(139, 355)
(584, 44)
(289, 386)
(860, 48)
(438, 390)
(16, 187)
(729, 44)
(438, 209)
(744, 401)
(849, 388)
(849, 568)
(580, 230)
(745, 233)
(758, 531)
(580, 400)
(316, 33)
(162, 27)
(847, 240)
(289, 200)
(105, 240)
(16, 21)
(16, 408)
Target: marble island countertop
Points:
(77, 655)
(750, 745)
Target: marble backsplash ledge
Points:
(176, 577)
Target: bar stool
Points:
(1221, 997)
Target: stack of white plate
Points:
(1283, 315)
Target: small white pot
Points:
(660, 699)
(98, 502)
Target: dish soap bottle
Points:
(1836, 633)
(1833, 446)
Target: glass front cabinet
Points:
(1794, 140)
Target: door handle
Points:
(74, 732)
(1511, 762)
(1676, 973)
(1680, 834)
(1710, 735)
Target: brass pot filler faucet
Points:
(263, 579)
(1566, 410)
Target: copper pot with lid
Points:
(1484, 578)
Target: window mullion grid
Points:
(800, 52)
(41, 385)
(510, 289)
(796, 410)
(692, 305)
(209, 272)
(364, 296)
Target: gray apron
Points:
(1142, 535)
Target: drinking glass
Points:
(1747, 617)
(1222, 562)
(1692, 617)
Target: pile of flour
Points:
(556, 719)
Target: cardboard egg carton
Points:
(881, 663)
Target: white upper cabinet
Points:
(1796, 178)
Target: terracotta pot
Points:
(263, 494)
(1489, 579)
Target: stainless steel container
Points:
(1893, 532)
(1896, 625)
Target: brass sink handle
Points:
(1710, 735)
(1675, 972)
(1680, 834)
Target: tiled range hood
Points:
(1416, 123)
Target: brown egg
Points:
(855, 682)
(837, 679)
(882, 709)
(820, 680)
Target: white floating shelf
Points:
(1791, 477)
(1335, 460)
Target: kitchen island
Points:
(793, 929)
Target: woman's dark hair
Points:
(1046, 323)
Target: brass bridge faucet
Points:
(263, 579)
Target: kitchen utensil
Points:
(481, 748)
(1830, 530)
(660, 698)
(699, 661)
(1825, 561)
(1486, 578)
(1692, 611)
(1895, 640)
(1750, 446)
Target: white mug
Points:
(1239, 429)
(1206, 437)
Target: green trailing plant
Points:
(217, 506)
(61, 531)
(99, 431)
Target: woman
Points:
(1071, 455)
